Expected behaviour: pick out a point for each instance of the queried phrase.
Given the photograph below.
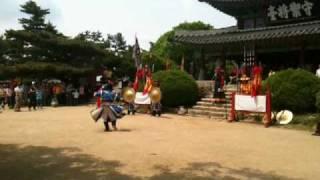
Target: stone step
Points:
(214, 100)
(213, 108)
(211, 96)
(211, 99)
(230, 86)
(210, 114)
(230, 89)
(210, 104)
(227, 94)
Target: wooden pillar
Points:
(223, 59)
(302, 57)
(202, 64)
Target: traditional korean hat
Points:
(284, 117)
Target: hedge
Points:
(178, 88)
(294, 90)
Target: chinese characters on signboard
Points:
(292, 10)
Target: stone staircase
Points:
(209, 107)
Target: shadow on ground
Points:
(44, 163)
(214, 171)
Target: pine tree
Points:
(37, 16)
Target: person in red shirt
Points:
(219, 82)
(257, 80)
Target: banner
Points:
(249, 103)
(142, 99)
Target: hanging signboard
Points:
(286, 11)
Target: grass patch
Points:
(304, 122)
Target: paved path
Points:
(64, 143)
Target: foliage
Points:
(46, 47)
(318, 101)
(304, 121)
(167, 49)
(117, 43)
(37, 19)
(43, 71)
(3, 50)
(178, 88)
(36, 22)
(94, 37)
(294, 90)
(153, 60)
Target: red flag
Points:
(136, 84)
(148, 86)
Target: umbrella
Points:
(54, 81)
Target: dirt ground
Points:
(65, 143)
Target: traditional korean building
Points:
(278, 33)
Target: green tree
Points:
(3, 50)
(36, 21)
(118, 43)
(166, 48)
(95, 37)
(41, 45)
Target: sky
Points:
(148, 19)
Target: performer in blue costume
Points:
(111, 112)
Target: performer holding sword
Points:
(109, 112)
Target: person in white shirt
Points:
(10, 101)
(76, 95)
(18, 91)
(318, 72)
(2, 97)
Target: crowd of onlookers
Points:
(36, 95)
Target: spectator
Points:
(69, 96)
(82, 93)
(2, 96)
(234, 75)
(47, 95)
(76, 95)
(18, 97)
(32, 98)
(10, 99)
(39, 98)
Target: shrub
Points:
(318, 101)
(177, 87)
(294, 90)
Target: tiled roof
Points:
(234, 7)
(233, 34)
(212, 1)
